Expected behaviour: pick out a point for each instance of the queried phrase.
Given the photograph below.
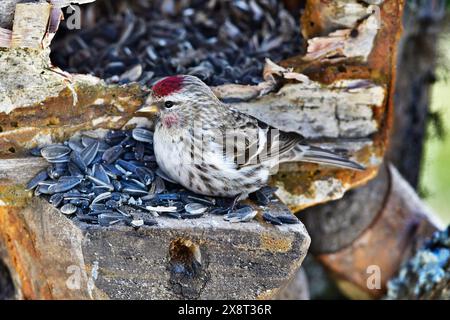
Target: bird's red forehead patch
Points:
(167, 86)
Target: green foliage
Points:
(435, 173)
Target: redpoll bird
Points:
(212, 149)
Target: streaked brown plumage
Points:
(214, 149)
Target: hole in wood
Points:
(187, 266)
(185, 257)
(354, 33)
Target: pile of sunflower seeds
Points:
(217, 41)
(116, 179)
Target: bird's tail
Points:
(313, 154)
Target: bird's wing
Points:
(249, 141)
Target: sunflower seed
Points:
(137, 183)
(101, 197)
(75, 145)
(159, 185)
(110, 218)
(98, 207)
(54, 152)
(56, 199)
(145, 175)
(260, 198)
(33, 183)
(134, 191)
(131, 184)
(139, 151)
(219, 211)
(86, 141)
(128, 156)
(161, 209)
(42, 189)
(142, 135)
(128, 142)
(167, 196)
(191, 198)
(100, 173)
(288, 219)
(243, 214)
(132, 74)
(55, 171)
(74, 170)
(195, 208)
(114, 137)
(112, 154)
(64, 159)
(100, 183)
(68, 209)
(112, 171)
(137, 223)
(65, 183)
(272, 219)
(127, 165)
(76, 159)
(36, 152)
(111, 204)
(89, 153)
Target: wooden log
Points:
(53, 257)
(393, 236)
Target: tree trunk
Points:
(415, 77)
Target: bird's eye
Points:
(168, 104)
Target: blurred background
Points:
(435, 173)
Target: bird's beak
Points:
(152, 109)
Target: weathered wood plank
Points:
(68, 259)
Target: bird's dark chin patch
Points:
(170, 120)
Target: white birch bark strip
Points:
(345, 43)
(30, 25)
(5, 38)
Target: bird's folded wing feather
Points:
(249, 141)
